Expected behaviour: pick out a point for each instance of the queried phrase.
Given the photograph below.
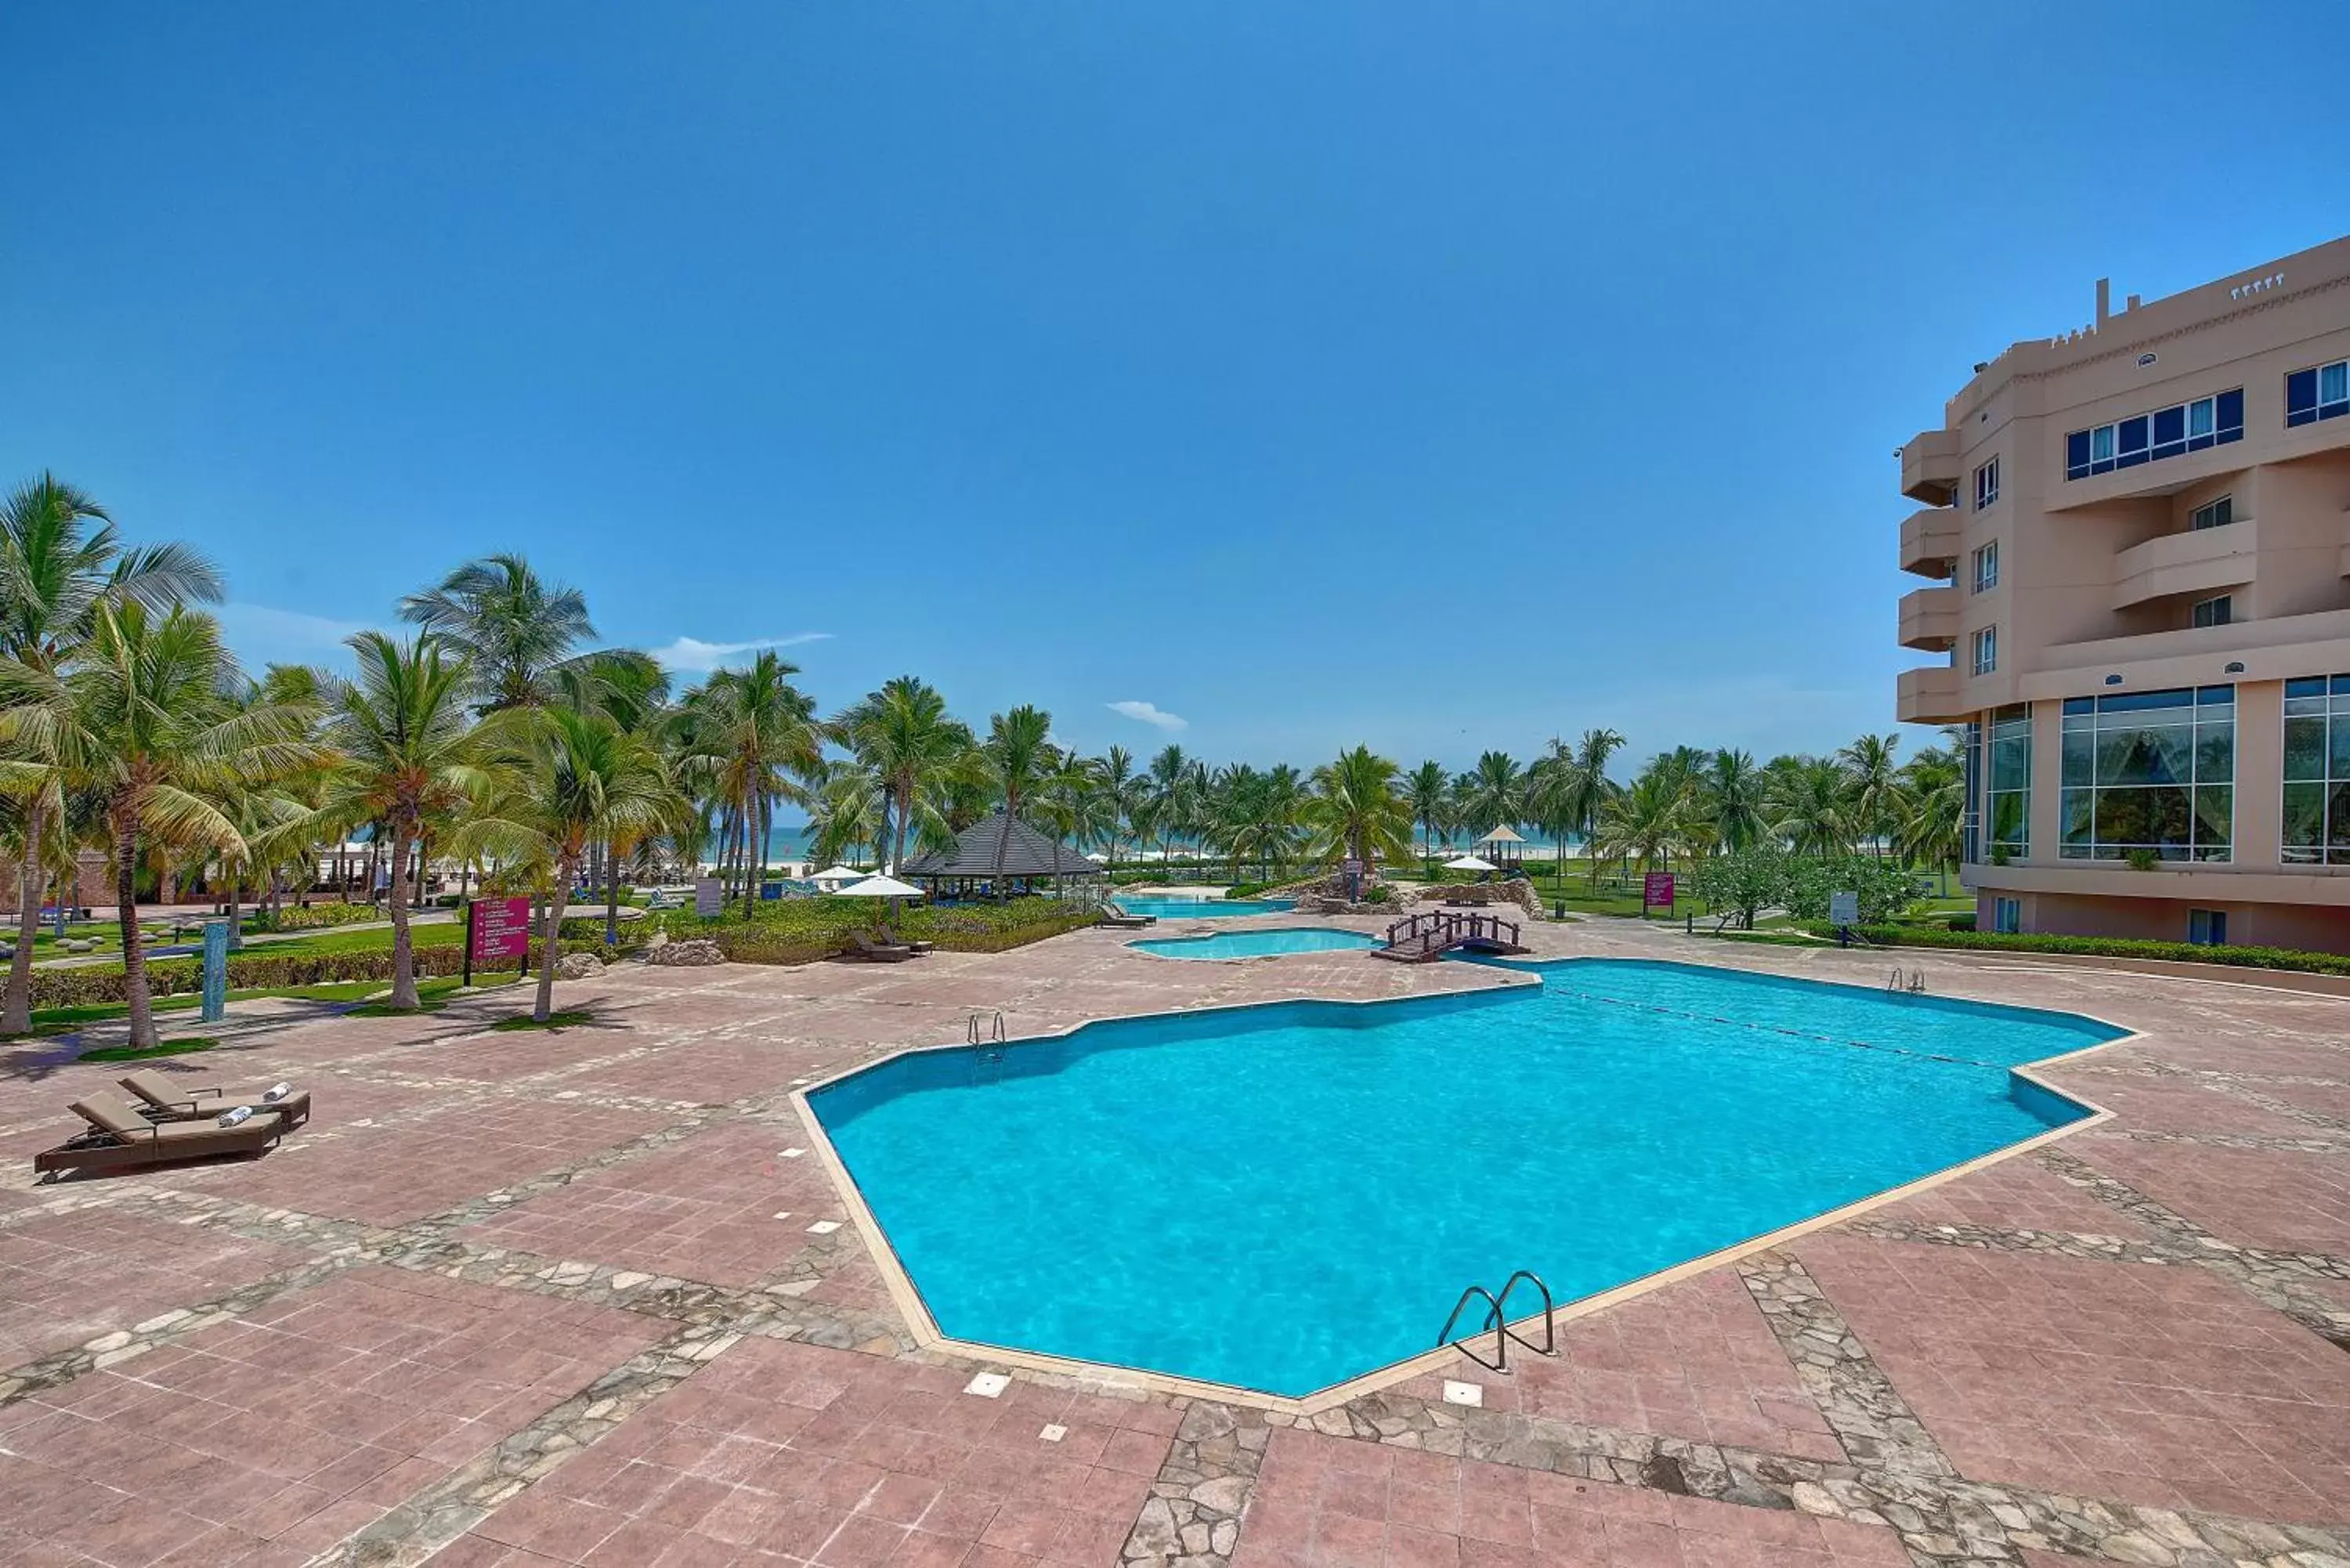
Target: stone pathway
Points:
(705, 1378)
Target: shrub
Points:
(316, 917)
(1964, 920)
(2098, 946)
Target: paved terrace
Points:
(528, 1299)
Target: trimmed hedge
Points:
(2097, 947)
(805, 929)
(316, 917)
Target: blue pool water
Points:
(1204, 908)
(1285, 1197)
(1258, 944)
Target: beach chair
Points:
(1112, 915)
(168, 1101)
(863, 949)
(121, 1139)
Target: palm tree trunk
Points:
(905, 812)
(565, 868)
(236, 909)
(611, 896)
(17, 1017)
(126, 899)
(403, 950)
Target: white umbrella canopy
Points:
(877, 887)
(1470, 863)
(840, 874)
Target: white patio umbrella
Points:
(1470, 863)
(839, 874)
(878, 887)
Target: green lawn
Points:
(433, 993)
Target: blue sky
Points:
(1215, 361)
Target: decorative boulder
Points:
(578, 966)
(689, 954)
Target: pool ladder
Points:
(988, 1038)
(1913, 982)
(1497, 1319)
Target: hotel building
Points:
(2138, 534)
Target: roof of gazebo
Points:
(1027, 853)
(1501, 834)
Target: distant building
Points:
(2140, 538)
(94, 884)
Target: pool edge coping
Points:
(1111, 1376)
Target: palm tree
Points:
(55, 569)
(751, 735)
(1432, 799)
(519, 633)
(903, 733)
(1020, 755)
(1872, 779)
(1124, 791)
(1657, 816)
(1733, 790)
(1810, 805)
(1587, 789)
(1358, 811)
(406, 758)
(142, 713)
(849, 809)
(1496, 795)
(1930, 811)
(579, 778)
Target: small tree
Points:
(1746, 881)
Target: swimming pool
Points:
(1258, 944)
(1283, 1197)
(1204, 908)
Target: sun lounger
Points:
(120, 1138)
(1111, 915)
(168, 1101)
(891, 938)
(865, 950)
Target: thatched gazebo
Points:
(1027, 858)
(1505, 847)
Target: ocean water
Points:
(1259, 944)
(1285, 1197)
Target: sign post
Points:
(215, 971)
(1655, 892)
(709, 897)
(495, 928)
(1844, 913)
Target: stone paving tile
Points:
(67, 1279)
(2282, 1198)
(2321, 1054)
(724, 1206)
(1693, 1360)
(710, 1071)
(1325, 1502)
(2176, 1104)
(2015, 1194)
(395, 1174)
(493, 1056)
(790, 1453)
(2164, 1387)
(2324, 1099)
(266, 1438)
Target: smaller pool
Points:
(1259, 944)
(1204, 908)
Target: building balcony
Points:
(1930, 618)
(1929, 467)
(2267, 648)
(1929, 696)
(2199, 562)
(1929, 541)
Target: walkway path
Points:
(581, 1297)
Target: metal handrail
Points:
(1492, 1313)
(1497, 1320)
(1549, 1346)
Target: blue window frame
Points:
(2320, 393)
(2170, 432)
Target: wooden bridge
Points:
(1432, 933)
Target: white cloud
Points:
(693, 654)
(1150, 714)
(263, 635)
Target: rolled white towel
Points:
(231, 1118)
(277, 1091)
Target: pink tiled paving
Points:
(268, 1438)
(710, 1071)
(2014, 1194)
(1327, 1502)
(400, 1172)
(2176, 1104)
(726, 1206)
(2169, 1386)
(789, 1453)
(1692, 1360)
(2261, 1198)
(66, 1279)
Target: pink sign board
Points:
(501, 928)
(1656, 891)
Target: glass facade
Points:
(2008, 806)
(2320, 393)
(2153, 770)
(1971, 834)
(2165, 432)
(2317, 770)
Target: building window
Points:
(2317, 770)
(2007, 916)
(1987, 651)
(1987, 566)
(2320, 393)
(1986, 484)
(2151, 772)
(2213, 611)
(2208, 927)
(2213, 513)
(2165, 432)
(1970, 827)
(2009, 808)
